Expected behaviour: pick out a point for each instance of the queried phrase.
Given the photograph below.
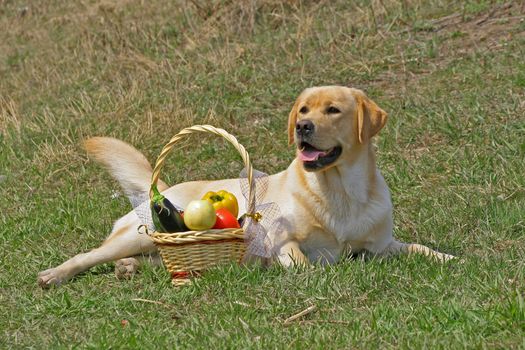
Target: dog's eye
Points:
(303, 110)
(333, 110)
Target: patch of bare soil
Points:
(487, 31)
(455, 36)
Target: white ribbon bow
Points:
(263, 220)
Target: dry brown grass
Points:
(123, 68)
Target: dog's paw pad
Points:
(49, 278)
(125, 268)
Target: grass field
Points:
(450, 74)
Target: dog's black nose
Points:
(304, 127)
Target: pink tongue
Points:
(308, 156)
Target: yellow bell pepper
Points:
(223, 199)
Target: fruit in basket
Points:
(199, 215)
(223, 199)
(225, 219)
(164, 214)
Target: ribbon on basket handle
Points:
(140, 203)
(264, 218)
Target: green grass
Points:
(450, 75)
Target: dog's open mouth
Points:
(314, 158)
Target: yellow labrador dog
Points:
(332, 197)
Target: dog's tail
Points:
(124, 162)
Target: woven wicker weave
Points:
(186, 254)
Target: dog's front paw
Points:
(285, 260)
(290, 261)
(125, 268)
(51, 277)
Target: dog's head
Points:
(327, 123)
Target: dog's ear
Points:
(370, 118)
(292, 120)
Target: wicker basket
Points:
(187, 254)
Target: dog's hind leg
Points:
(124, 242)
(127, 267)
(397, 247)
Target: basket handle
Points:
(212, 130)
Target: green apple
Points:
(199, 215)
